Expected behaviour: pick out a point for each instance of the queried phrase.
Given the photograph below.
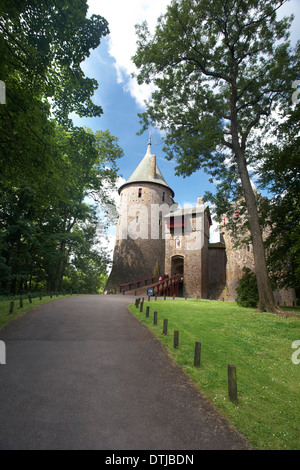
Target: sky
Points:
(122, 98)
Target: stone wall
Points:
(191, 246)
(217, 271)
(139, 237)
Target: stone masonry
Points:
(153, 233)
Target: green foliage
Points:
(48, 228)
(280, 173)
(201, 60)
(49, 167)
(247, 292)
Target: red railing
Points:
(138, 283)
(167, 286)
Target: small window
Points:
(140, 192)
(137, 219)
(163, 197)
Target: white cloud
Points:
(122, 17)
(106, 239)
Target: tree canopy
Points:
(48, 167)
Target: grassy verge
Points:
(259, 344)
(6, 317)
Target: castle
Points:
(154, 236)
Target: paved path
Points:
(83, 373)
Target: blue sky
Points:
(122, 99)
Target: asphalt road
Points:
(83, 373)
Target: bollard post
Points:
(197, 354)
(147, 311)
(176, 339)
(11, 307)
(232, 383)
(165, 328)
(148, 298)
(141, 306)
(155, 318)
(155, 297)
(30, 299)
(21, 302)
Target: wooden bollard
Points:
(176, 339)
(148, 298)
(232, 383)
(165, 327)
(197, 355)
(11, 307)
(51, 295)
(155, 297)
(21, 302)
(155, 318)
(141, 306)
(30, 299)
(136, 303)
(147, 311)
(40, 296)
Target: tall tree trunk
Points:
(266, 300)
(61, 267)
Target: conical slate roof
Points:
(142, 173)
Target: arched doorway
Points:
(177, 267)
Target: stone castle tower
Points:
(154, 236)
(140, 245)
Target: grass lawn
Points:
(5, 317)
(258, 344)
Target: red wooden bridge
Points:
(166, 287)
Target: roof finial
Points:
(149, 144)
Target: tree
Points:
(46, 225)
(219, 69)
(48, 166)
(42, 46)
(280, 173)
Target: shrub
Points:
(247, 292)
